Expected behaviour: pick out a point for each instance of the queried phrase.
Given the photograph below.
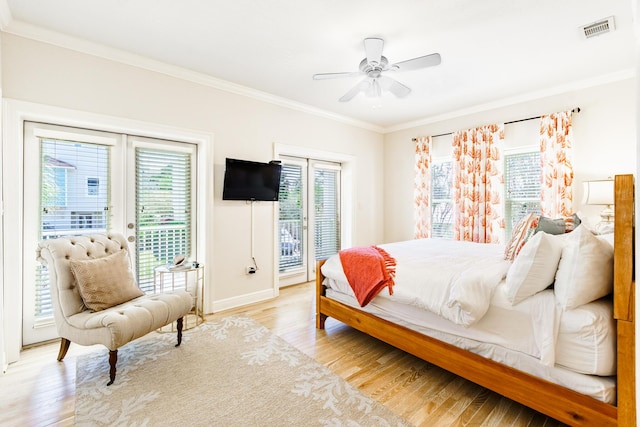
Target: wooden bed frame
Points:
(558, 402)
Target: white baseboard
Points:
(242, 300)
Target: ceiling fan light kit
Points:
(372, 68)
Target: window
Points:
(441, 202)
(64, 165)
(92, 186)
(65, 161)
(309, 223)
(522, 186)
(54, 176)
(92, 220)
(327, 209)
(163, 209)
(522, 192)
(64, 168)
(292, 215)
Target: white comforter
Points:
(450, 278)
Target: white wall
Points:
(242, 127)
(604, 144)
(3, 319)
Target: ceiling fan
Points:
(374, 65)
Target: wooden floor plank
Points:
(486, 404)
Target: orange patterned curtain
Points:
(479, 184)
(422, 189)
(556, 195)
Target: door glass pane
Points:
(327, 212)
(74, 199)
(291, 220)
(163, 210)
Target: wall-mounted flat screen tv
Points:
(247, 180)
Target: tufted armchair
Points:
(76, 264)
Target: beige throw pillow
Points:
(105, 282)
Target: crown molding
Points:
(5, 15)
(55, 38)
(22, 29)
(526, 97)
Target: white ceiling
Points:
(493, 51)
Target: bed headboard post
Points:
(624, 297)
(624, 248)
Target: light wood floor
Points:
(39, 391)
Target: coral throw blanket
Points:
(368, 269)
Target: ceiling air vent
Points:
(600, 27)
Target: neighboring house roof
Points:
(56, 163)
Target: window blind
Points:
(291, 220)
(441, 202)
(163, 210)
(327, 210)
(74, 199)
(522, 187)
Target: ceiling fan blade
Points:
(373, 49)
(362, 86)
(417, 63)
(394, 86)
(324, 76)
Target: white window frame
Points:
(347, 195)
(304, 244)
(15, 113)
(135, 142)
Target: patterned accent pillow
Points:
(105, 282)
(572, 222)
(524, 229)
(551, 226)
(559, 225)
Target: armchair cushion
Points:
(105, 282)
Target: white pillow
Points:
(535, 266)
(606, 238)
(585, 272)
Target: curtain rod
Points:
(575, 110)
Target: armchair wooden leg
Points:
(179, 328)
(64, 347)
(113, 359)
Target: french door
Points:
(309, 217)
(80, 181)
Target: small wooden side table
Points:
(166, 278)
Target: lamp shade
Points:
(598, 192)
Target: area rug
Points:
(229, 372)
